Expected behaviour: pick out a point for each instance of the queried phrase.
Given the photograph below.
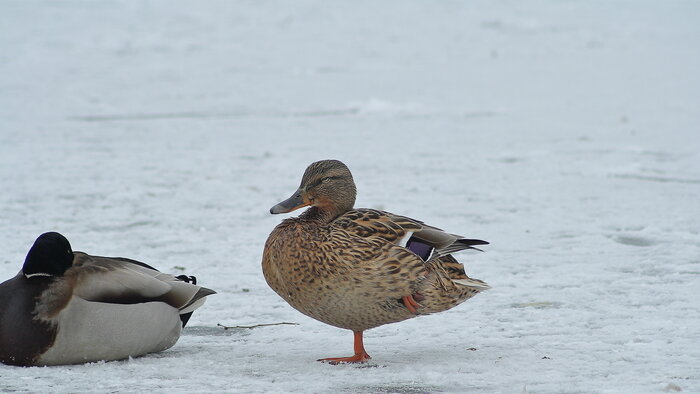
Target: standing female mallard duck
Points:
(360, 268)
(68, 307)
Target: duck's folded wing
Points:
(412, 234)
(122, 281)
(371, 268)
(375, 224)
(443, 242)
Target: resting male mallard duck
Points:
(68, 307)
(360, 268)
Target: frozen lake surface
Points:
(566, 133)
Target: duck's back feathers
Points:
(376, 224)
(403, 231)
(126, 281)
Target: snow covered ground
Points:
(567, 133)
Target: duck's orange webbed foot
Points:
(360, 356)
(411, 304)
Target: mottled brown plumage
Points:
(360, 268)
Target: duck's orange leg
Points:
(411, 304)
(360, 356)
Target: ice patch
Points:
(634, 241)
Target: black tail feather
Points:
(462, 244)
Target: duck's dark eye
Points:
(322, 180)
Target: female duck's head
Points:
(326, 185)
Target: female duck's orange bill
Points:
(296, 201)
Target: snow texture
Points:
(567, 133)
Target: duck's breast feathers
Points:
(22, 338)
(125, 281)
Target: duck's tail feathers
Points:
(461, 244)
(454, 270)
(475, 284)
(197, 300)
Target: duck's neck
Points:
(321, 216)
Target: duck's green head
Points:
(326, 185)
(51, 255)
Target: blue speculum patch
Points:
(421, 249)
